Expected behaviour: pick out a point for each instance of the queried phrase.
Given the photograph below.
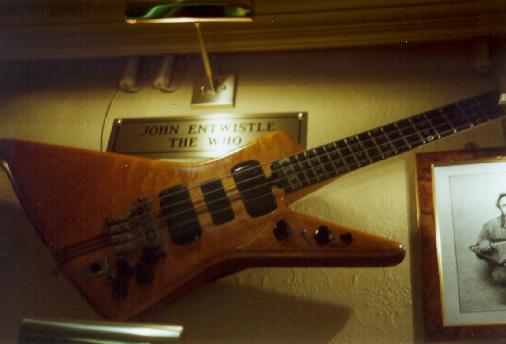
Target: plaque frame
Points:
(117, 136)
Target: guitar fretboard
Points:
(339, 157)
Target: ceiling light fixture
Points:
(214, 90)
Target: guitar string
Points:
(106, 239)
(327, 162)
(199, 209)
(490, 96)
(316, 177)
(370, 139)
(421, 140)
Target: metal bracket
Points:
(223, 95)
(215, 91)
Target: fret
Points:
(374, 153)
(276, 170)
(326, 160)
(308, 155)
(395, 137)
(344, 153)
(419, 127)
(339, 163)
(312, 157)
(279, 174)
(354, 147)
(320, 171)
(455, 117)
(291, 173)
(284, 171)
(409, 133)
(440, 124)
(336, 158)
(341, 166)
(323, 159)
(308, 169)
(333, 153)
(383, 144)
(430, 123)
(295, 161)
(343, 149)
(362, 158)
(366, 142)
(424, 128)
(289, 181)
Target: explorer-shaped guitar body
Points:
(131, 232)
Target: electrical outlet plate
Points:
(223, 96)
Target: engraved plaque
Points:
(206, 136)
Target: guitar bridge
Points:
(135, 229)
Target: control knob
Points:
(323, 236)
(282, 230)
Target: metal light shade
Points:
(217, 91)
(187, 12)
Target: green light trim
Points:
(174, 11)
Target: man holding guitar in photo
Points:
(492, 242)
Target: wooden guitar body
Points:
(70, 193)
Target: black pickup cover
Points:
(180, 216)
(217, 201)
(254, 188)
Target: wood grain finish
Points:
(435, 329)
(68, 193)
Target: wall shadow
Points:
(223, 312)
(219, 312)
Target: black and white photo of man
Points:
(490, 241)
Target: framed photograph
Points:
(462, 220)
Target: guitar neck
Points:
(324, 162)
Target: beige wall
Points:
(344, 92)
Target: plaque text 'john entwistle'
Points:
(199, 137)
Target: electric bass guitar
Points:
(131, 232)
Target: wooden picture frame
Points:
(457, 195)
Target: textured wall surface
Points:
(344, 92)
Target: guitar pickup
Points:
(254, 188)
(217, 201)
